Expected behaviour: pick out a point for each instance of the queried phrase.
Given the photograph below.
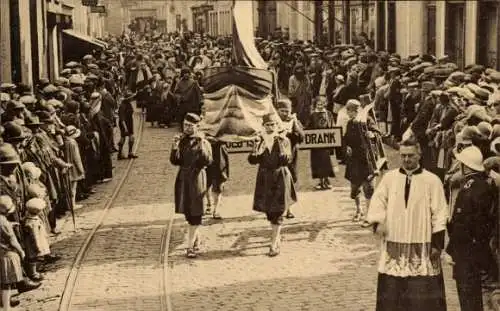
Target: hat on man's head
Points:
(284, 103)
(72, 131)
(95, 95)
(65, 72)
(32, 121)
(76, 80)
(45, 117)
(72, 64)
(485, 129)
(7, 206)
(49, 89)
(185, 70)
(8, 155)
(4, 97)
(35, 206)
(7, 86)
(13, 132)
(269, 118)
(352, 104)
(14, 105)
(192, 118)
(471, 157)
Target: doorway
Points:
(487, 32)
(455, 33)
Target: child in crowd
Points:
(72, 156)
(12, 253)
(321, 164)
(36, 189)
(357, 163)
(36, 238)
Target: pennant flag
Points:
(244, 51)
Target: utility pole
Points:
(331, 23)
(318, 20)
(347, 21)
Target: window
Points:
(431, 28)
(487, 32)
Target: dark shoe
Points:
(55, 231)
(26, 285)
(132, 156)
(52, 258)
(273, 252)
(37, 277)
(14, 302)
(191, 253)
(366, 224)
(290, 215)
(356, 217)
(196, 246)
(216, 216)
(121, 157)
(319, 187)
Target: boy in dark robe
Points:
(294, 131)
(357, 166)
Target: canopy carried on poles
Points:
(237, 97)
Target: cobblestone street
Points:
(326, 261)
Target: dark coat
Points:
(472, 222)
(296, 136)
(274, 188)
(192, 156)
(218, 170)
(409, 111)
(357, 167)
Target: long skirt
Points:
(321, 163)
(11, 270)
(415, 293)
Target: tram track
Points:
(72, 281)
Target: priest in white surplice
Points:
(408, 210)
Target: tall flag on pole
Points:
(244, 51)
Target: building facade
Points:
(171, 15)
(34, 37)
(466, 31)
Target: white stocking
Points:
(275, 236)
(192, 235)
(6, 299)
(217, 198)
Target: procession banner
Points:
(320, 138)
(234, 102)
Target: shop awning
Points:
(86, 39)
